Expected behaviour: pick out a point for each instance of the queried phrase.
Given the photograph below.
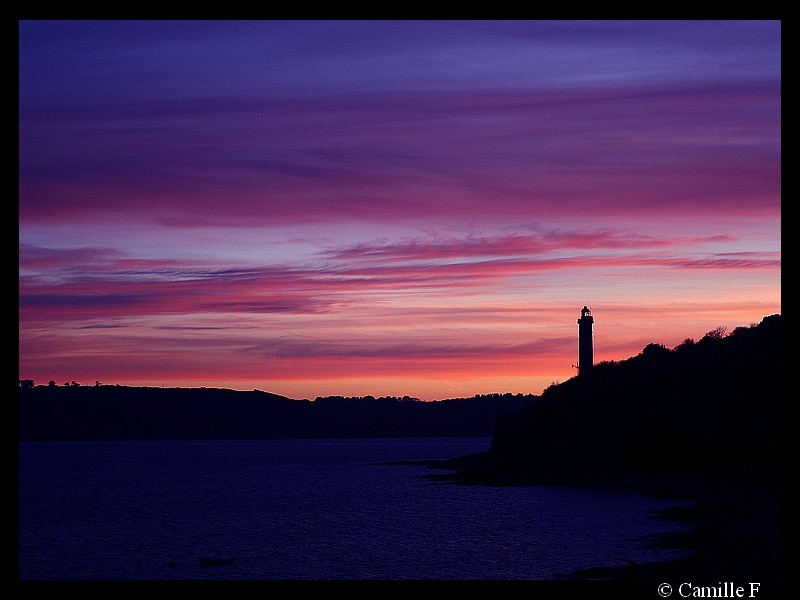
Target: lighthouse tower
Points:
(585, 351)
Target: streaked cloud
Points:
(304, 206)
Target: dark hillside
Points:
(699, 407)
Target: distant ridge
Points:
(111, 412)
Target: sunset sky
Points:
(391, 207)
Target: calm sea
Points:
(307, 509)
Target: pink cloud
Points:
(102, 282)
(438, 246)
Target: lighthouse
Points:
(585, 351)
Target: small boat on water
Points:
(214, 561)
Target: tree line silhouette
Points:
(29, 383)
(109, 412)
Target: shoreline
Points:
(734, 519)
(732, 535)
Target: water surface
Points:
(307, 509)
